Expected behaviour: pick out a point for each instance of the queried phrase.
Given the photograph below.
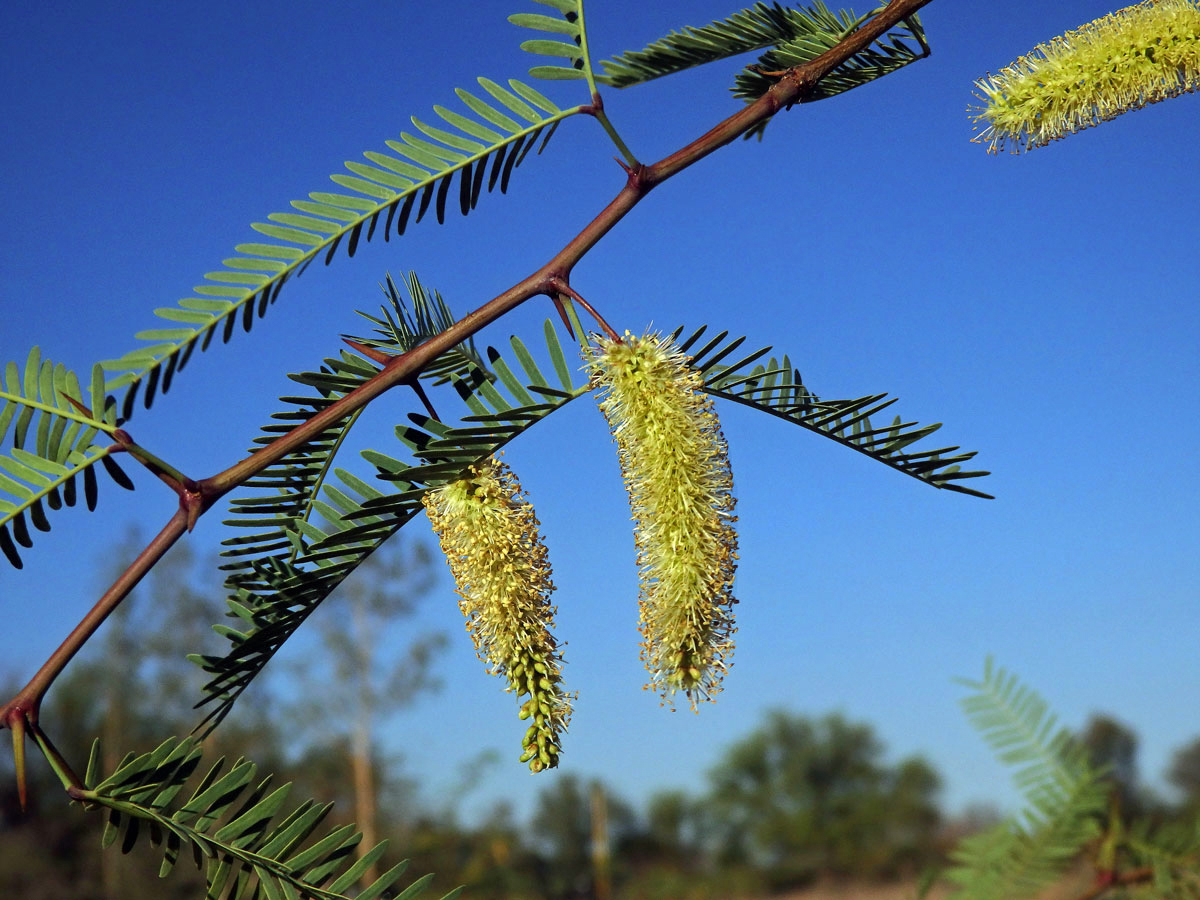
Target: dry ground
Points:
(1071, 886)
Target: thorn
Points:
(16, 721)
(415, 384)
(191, 498)
(371, 353)
(79, 407)
(624, 165)
(562, 314)
(562, 287)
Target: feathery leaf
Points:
(49, 432)
(382, 197)
(1066, 799)
(311, 531)
(567, 41)
(776, 388)
(398, 330)
(232, 825)
(795, 36)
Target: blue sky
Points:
(1043, 307)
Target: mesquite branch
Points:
(793, 85)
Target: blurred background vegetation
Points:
(799, 802)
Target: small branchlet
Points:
(675, 462)
(1121, 62)
(489, 533)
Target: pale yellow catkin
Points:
(489, 534)
(675, 463)
(1121, 62)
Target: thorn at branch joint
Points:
(560, 286)
(372, 353)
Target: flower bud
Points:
(675, 464)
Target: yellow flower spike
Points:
(1121, 62)
(489, 534)
(675, 464)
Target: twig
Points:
(792, 87)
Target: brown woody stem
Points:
(197, 498)
(27, 703)
(1114, 880)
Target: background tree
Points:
(148, 639)
(562, 828)
(802, 798)
(1113, 747)
(1184, 774)
(366, 673)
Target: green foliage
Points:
(751, 29)
(777, 388)
(794, 36)
(799, 798)
(1066, 798)
(50, 434)
(232, 827)
(318, 523)
(403, 324)
(1172, 851)
(564, 823)
(568, 44)
(817, 33)
(308, 522)
(1067, 809)
(319, 531)
(383, 197)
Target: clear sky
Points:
(1043, 307)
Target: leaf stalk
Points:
(596, 111)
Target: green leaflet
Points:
(755, 28)
(51, 446)
(819, 31)
(398, 330)
(1067, 808)
(381, 196)
(1172, 851)
(232, 827)
(567, 41)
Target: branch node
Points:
(191, 501)
(559, 286)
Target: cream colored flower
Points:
(489, 533)
(676, 467)
(1126, 60)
